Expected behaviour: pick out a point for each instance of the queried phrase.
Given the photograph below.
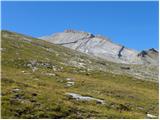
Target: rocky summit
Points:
(99, 46)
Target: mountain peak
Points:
(153, 50)
(79, 32)
(75, 31)
(100, 46)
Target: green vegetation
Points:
(28, 91)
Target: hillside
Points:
(44, 80)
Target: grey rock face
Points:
(102, 47)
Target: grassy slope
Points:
(43, 96)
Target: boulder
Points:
(84, 98)
(151, 116)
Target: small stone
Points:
(50, 74)
(29, 65)
(151, 116)
(54, 68)
(15, 90)
(140, 108)
(2, 49)
(34, 69)
(70, 79)
(71, 83)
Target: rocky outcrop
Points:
(150, 56)
(120, 52)
(84, 98)
(102, 47)
(142, 53)
(150, 116)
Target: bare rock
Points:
(50, 74)
(15, 90)
(151, 116)
(84, 98)
(70, 79)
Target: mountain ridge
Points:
(140, 71)
(100, 46)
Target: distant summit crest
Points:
(90, 35)
(154, 50)
(73, 31)
(70, 31)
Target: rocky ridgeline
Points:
(102, 47)
(84, 62)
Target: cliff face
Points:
(102, 47)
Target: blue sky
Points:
(133, 24)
